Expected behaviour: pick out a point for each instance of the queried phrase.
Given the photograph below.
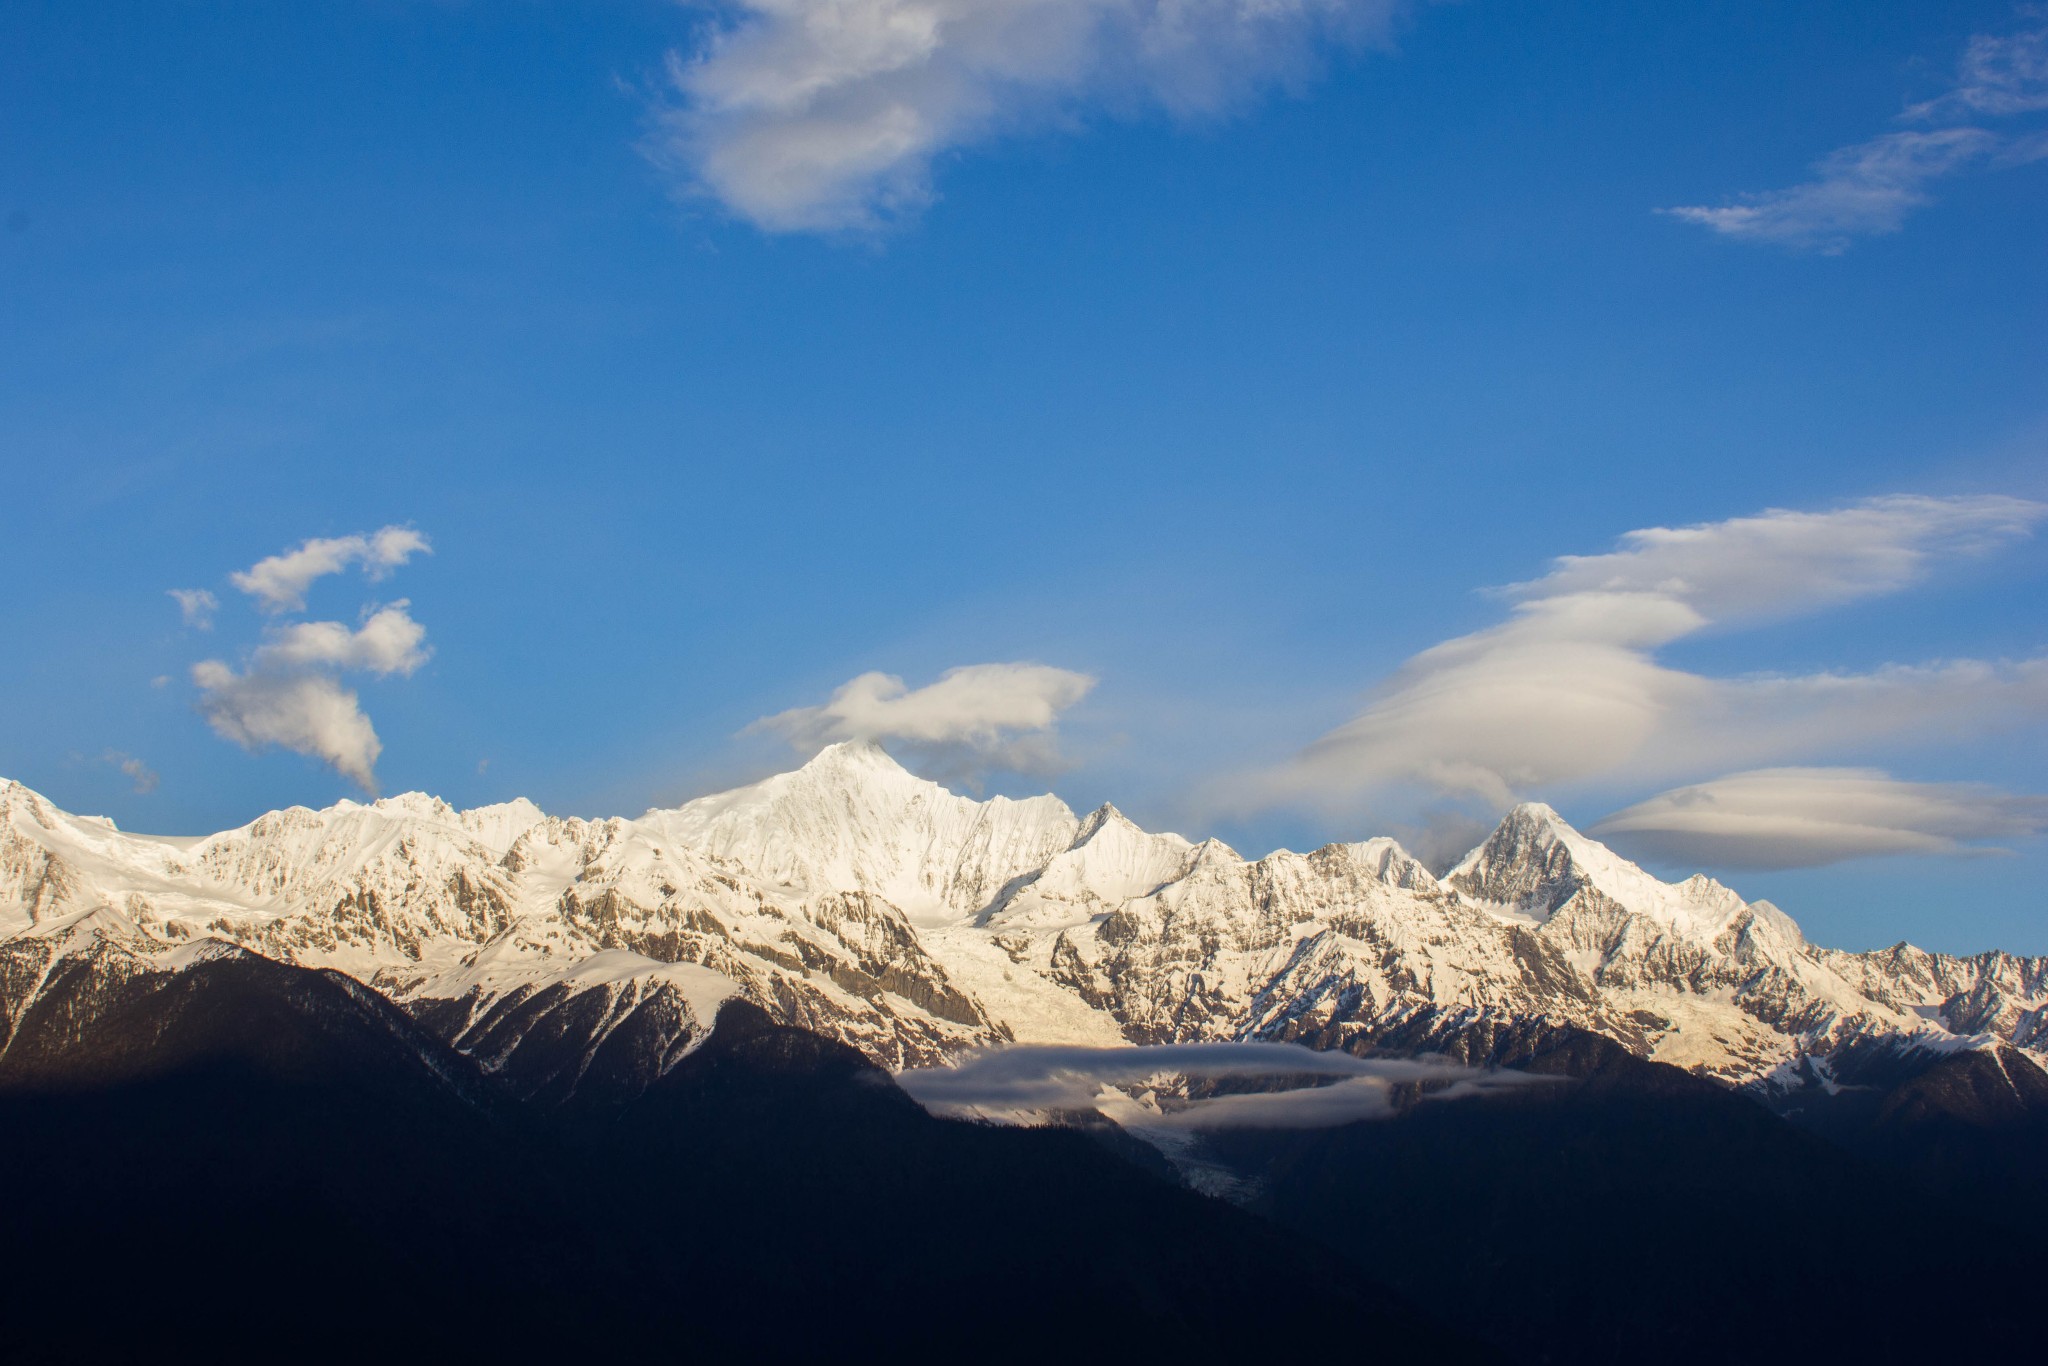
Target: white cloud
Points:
(288, 696)
(279, 583)
(307, 713)
(1867, 189)
(1002, 714)
(1781, 563)
(1568, 689)
(196, 605)
(804, 115)
(1807, 817)
(389, 641)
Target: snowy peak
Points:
(855, 756)
(853, 819)
(1391, 864)
(1535, 863)
(1110, 861)
(1526, 866)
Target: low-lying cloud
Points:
(809, 115)
(1869, 188)
(1809, 817)
(1568, 688)
(1022, 1082)
(977, 716)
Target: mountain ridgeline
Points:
(855, 900)
(492, 1083)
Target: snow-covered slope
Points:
(853, 820)
(582, 958)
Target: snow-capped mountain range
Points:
(579, 958)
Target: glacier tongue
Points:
(854, 898)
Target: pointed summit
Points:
(1392, 864)
(1103, 817)
(1535, 861)
(852, 754)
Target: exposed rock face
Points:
(582, 959)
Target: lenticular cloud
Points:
(1809, 817)
(806, 115)
(1569, 687)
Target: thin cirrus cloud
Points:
(1024, 1082)
(820, 115)
(1810, 817)
(1568, 689)
(1870, 187)
(141, 777)
(289, 692)
(196, 606)
(279, 583)
(973, 717)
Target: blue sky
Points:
(1231, 379)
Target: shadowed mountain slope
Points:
(1643, 1214)
(258, 1161)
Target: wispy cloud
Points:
(141, 777)
(279, 583)
(807, 115)
(1568, 687)
(1999, 76)
(196, 606)
(1027, 1081)
(1869, 188)
(1003, 715)
(1809, 817)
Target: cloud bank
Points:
(1869, 188)
(1568, 687)
(279, 583)
(1809, 817)
(1026, 1081)
(809, 115)
(1001, 715)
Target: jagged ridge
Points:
(850, 897)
